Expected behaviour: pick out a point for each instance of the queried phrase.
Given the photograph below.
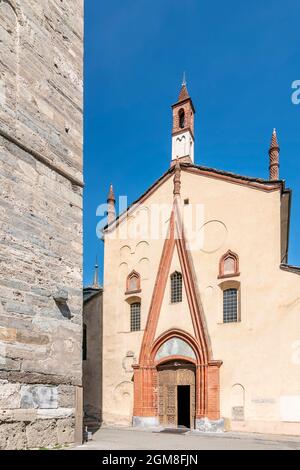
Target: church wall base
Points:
(264, 427)
(35, 434)
(145, 421)
(209, 425)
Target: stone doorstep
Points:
(204, 425)
(131, 428)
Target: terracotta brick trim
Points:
(186, 159)
(235, 258)
(207, 370)
(174, 358)
(172, 333)
(236, 179)
(255, 183)
(133, 275)
(185, 129)
(182, 102)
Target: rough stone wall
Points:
(40, 220)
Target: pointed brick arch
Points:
(229, 255)
(135, 279)
(176, 333)
(207, 370)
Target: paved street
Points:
(126, 439)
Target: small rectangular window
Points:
(230, 305)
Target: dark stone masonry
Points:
(41, 53)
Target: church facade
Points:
(200, 307)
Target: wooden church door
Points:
(170, 377)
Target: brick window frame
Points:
(229, 255)
(181, 118)
(226, 286)
(133, 283)
(129, 301)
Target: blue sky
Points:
(240, 60)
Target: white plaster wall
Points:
(183, 145)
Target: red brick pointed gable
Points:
(207, 370)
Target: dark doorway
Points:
(183, 405)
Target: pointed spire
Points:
(111, 195)
(184, 94)
(96, 275)
(274, 157)
(274, 141)
(176, 180)
(111, 210)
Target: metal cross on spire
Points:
(96, 276)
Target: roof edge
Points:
(257, 183)
(290, 268)
(90, 293)
(250, 179)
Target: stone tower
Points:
(41, 222)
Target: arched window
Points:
(133, 283)
(84, 342)
(229, 265)
(176, 287)
(135, 316)
(230, 305)
(181, 119)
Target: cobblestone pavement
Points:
(128, 438)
